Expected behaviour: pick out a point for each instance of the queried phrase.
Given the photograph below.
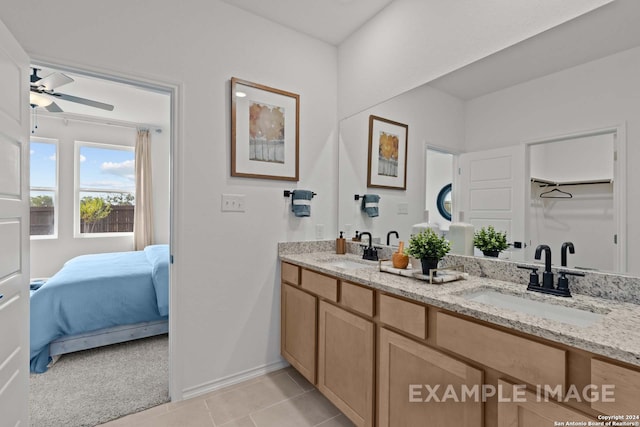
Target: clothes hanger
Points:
(561, 194)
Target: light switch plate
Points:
(233, 203)
(319, 231)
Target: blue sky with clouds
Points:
(43, 164)
(100, 168)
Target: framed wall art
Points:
(387, 167)
(264, 131)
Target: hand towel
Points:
(301, 202)
(370, 204)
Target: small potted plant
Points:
(490, 241)
(429, 248)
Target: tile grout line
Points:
(302, 392)
(275, 404)
(294, 380)
(209, 412)
(328, 419)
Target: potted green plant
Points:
(490, 241)
(429, 248)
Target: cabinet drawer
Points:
(357, 298)
(325, 286)
(406, 316)
(519, 357)
(626, 392)
(290, 273)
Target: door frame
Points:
(175, 90)
(619, 182)
(455, 153)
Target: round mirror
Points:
(444, 202)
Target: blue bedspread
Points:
(98, 291)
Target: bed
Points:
(100, 299)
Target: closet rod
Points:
(100, 120)
(545, 183)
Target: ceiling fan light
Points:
(39, 100)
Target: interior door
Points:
(492, 192)
(14, 232)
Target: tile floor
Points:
(278, 399)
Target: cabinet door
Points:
(298, 330)
(345, 362)
(409, 372)
(526, 409)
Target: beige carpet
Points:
(91, 387)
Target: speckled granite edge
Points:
(596, 284)
(285, 248)
(616, 335)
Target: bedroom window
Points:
(44, 188)
(105, 189)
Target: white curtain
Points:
(143, 219)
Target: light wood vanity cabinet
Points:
(372, 354)
(533, 412)
(405, 365)
(345, 362)
(333, 347)
(298, 330)
(627, 388)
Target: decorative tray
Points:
(436, 276)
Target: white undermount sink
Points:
(560, 313)
(348, 264)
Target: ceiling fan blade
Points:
(54, 108)
(54, 80)
(84, 101)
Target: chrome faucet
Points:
(389, 236)
(547, 276)
(563, 254)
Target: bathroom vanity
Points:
(394, 351)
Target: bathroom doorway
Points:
(439, 188)
(163, 138)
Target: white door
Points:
(14, 232)
(492, 192)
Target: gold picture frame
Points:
(264, 132)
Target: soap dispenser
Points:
(341, 245)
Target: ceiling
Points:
(602, 32)
(607, 30)
(329, 20)
(131, 104)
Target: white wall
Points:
(552, 160)
(412, 42)
(226, 263)
(595, 95)
(48, 255)
(434, 118)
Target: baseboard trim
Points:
(214, 385)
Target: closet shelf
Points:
(548, 183)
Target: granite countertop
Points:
(615, 335)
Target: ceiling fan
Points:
(43, 93)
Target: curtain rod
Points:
(100, 120)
